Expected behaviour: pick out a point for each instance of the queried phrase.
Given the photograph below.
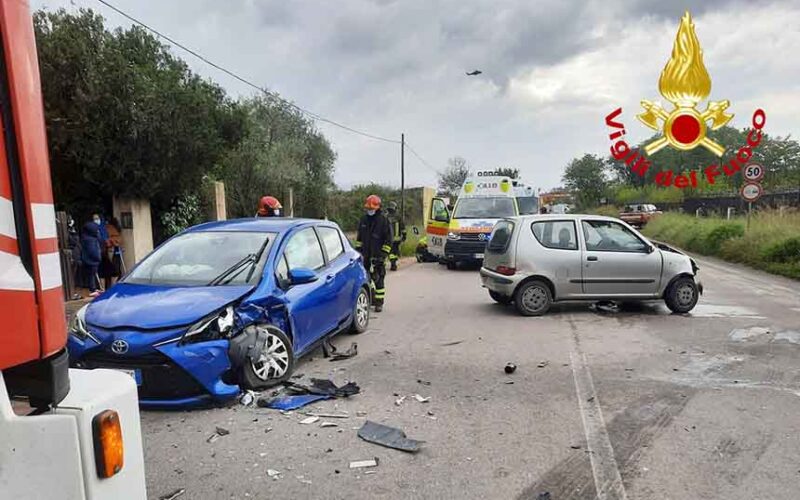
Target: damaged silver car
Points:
(536, 260)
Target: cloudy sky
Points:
(552, 70)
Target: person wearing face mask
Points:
(374, 241)
(269, 206)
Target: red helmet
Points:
(269, 206)
(373, 202)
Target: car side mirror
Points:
(415, 230)
(650, 249)
(301, 275)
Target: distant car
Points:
(534, 261)
(639, 215)
(224, 306)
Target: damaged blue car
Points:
(224, 306)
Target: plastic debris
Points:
(542, 364)
(452, 342)
(336, 355)
(510, 368)
(399, 400)
(389, 437)
(509, 382)
(328, 415)
(606, 307)
(361, 413)
(545, 495)
(423, 382)
(220, 431)
(328, 424)
(247, 398)
(309, 420)
(324, 387)
(273, 473)
(291, 402)
(360, 464)
(172, 496)
(223, 431)
(421, 399)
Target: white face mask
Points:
(370, 212)
(96, 221)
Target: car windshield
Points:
(492, 208)
(203, 258)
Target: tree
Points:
(124, 116)
(453, 177)
(508, 172)
(586, 178)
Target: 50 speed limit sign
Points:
(753, 172)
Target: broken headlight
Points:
(215, 326)
(78, 327)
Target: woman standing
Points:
(91, 250)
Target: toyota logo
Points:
(119, 347)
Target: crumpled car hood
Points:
(153, 307)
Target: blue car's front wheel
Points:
(360, 312)
(273, 365)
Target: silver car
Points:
(536, 260)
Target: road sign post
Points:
(752, 189)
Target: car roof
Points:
(538, 217)
(258, 224)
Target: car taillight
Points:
(505, 270)
(108, 449)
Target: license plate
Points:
(136, 375)
(478, 255)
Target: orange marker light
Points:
(108, 449)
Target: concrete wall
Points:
(137, 228)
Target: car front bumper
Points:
(169, 376)
(464, 250)
(499, 283)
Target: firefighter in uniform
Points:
(398, 233)
(374, 241)
(269, 206)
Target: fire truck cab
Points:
(64, 433)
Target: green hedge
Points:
(772, 242)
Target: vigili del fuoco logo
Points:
(684, 82)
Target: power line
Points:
(421, 159)
(247, 82)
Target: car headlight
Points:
(453, 236)
(215, 326)
(78, 328)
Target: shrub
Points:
(786, 251)
(721, 233)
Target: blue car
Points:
(224, 306)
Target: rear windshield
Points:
(501, 236)
(490, 208)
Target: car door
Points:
(309, 304)
(617, 262)
(341, 284)
(557, 257)
(437, 227)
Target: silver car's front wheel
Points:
(533, 298)
(682, 295)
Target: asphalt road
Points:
(638, 404)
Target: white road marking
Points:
(607, 479)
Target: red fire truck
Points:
(64, 433)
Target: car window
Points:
(528, 205)
(331, 240)
(558, 234)
(439, 210)
(282, 271)
(610, 236)
(501, 235)
(303, 250)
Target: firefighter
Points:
(269, 206)
(374, 241)
(398, 233)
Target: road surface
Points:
(639, 404)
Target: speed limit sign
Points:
(752, 191)
(753, 172)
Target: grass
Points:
(771, 243)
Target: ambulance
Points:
(461, 234)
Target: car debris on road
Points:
(510, 368)
(360, 464)
(172, 496)
(389, 437)
(329, 351)
(309, 420)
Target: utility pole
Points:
(403, 177)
